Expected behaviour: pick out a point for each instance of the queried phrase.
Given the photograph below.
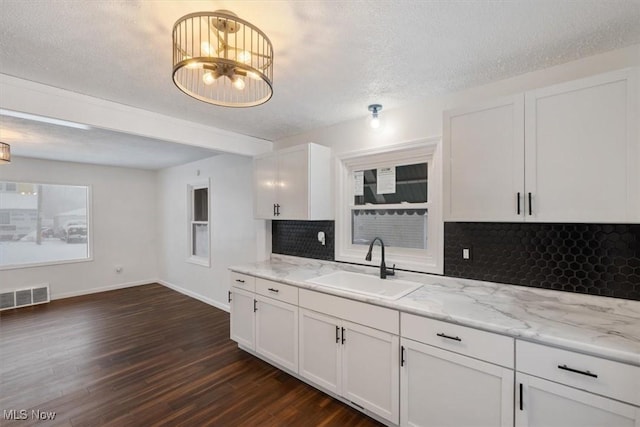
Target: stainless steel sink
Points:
(365, 284)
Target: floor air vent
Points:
(24, 297)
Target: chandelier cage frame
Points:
(213, 50)
(5, 153)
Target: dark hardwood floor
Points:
(147, 356)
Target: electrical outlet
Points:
(466, 253)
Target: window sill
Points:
(203, 262)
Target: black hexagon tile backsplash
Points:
(598, 259)
(300, 238)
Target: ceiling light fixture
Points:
(43, 119)
(221, 59)
(5, 153)
(375, 111)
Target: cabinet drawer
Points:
(381, 318)
(471, 342)
(243, 281)
(276, 290)
(601, 376)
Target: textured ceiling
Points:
(46, 141)
(332, 58)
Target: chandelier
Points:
(221, 59)
(5, 153)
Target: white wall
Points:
(423, 119)
(123, 225)
(235, 236)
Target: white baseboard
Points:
(55, 295)
(216, 304)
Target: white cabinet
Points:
(441, 388)
(370, 369)
(356, 362)
(483, 155)
(277, 332)
(556, 387)
(351, 349)
(320, 350)
(451, 375)
(265, 324)
(242, 317)
(542, 403)
(565, 153)
(294, 184)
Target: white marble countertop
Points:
(606, 327)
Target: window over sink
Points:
(393, 194)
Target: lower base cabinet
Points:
(542, 403)
(356, 362)
(277, 331)
(442, 388)
(242, 317)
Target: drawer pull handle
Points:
(343, 336)
(229, 296)
(337, 334)
(273, 290)
(402, 361)
(255, 305)
(239, 280)
(449, 337)
(577, 371)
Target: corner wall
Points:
(236, 237)
(123, 223)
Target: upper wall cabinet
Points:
(565, 153)
(294, 184)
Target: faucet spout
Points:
(383, 267)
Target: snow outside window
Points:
(43, 224)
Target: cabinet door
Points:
(441, 388)
(371, 370)
(277, 332)
(320, 350)
(541, 403)
(265, 185)
(293, 188)
(582, 150)
(483, 161)
(242, 318)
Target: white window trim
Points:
(191, 187)
(89, 257)
(423, 150)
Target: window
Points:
(43, 224)
(393, 195)
(199, 224)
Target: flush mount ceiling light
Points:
(5, 153)
(221, 59)
(375, 120)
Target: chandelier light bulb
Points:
(206, 48)
(244, 56)
(238, 83)
(253, 75)
(375, 122)
(208, 78)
